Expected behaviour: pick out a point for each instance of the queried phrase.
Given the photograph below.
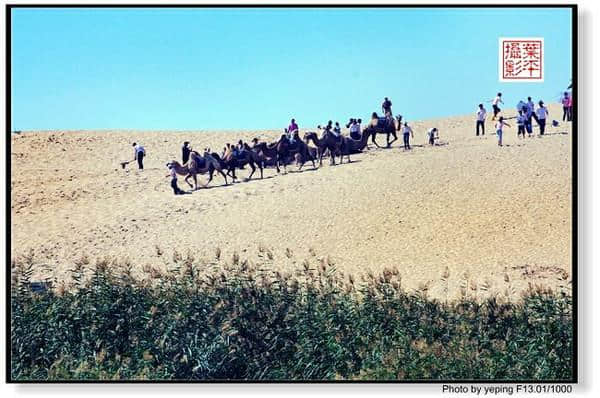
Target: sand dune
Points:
(496, 218)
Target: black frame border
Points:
(574, 255)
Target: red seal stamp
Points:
(521, 59)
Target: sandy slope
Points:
(489, 214)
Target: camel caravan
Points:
(288, 149)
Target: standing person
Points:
(386, 107)
(406, 133)
(480, 120)
(499, 125)
(185, 152)
(173, 175)
(138, 154)
(531, 107)
(542, 112)
(521, 118)
(570, 105)
(495, 105)
(565, 103)
(431, 135)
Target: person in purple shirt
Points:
(291, 130)
(293, 126)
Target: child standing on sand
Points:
(499, 125)
(521, 119)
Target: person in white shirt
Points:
(480, 120)
(521, 119)
(541, 112)
(432, 135)
(406, 133)
(499, 125)
(354, 129)
(495, 105)
(138, 154)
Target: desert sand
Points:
(494, 219)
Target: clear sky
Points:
(144, 68)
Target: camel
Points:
(247, 157)
(298, 149)
(329, 141)
(267, 153)
(198, 165)
(354, 146)
(389, 128)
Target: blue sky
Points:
(233, 68)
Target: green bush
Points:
(247, 322)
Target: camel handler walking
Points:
(173, 175)
(138, 154)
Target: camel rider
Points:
(386, 107)
(337, 131)
(292, 128)
(241, 147)
(295, 137)
(138, 154)
(173, 175)
(327, 128)
(355, 130)
(185, 152)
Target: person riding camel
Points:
(354, 129)
(327, 128)
(386, 108)
(337, 131)
(241, 147)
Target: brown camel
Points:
(248, 157)
(198, 165)
(267, 153)
(328, 142)
(387, 127)
(285, 149)
(353, 146)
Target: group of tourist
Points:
(527, 112)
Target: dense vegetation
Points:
(205, 321)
